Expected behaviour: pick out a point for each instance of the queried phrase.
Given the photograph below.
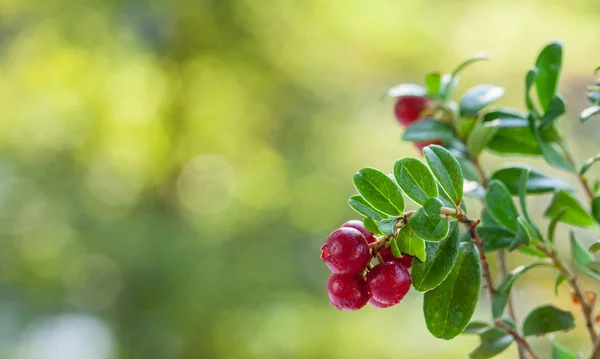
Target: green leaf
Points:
(500, 297)
(575, 214)
(478, 97)
(500, 205)
(438, 263)
(596, 208)
(480, 136)
(553, 222)
(515, 141)
(387, 226)
(582, 257)
(446, 170)
(560, 278)
(523, 236)
(371, 225)
(449, 307)
(594, 248)
(560, 352)
(537, 182)
(532, 252)
(363, 207)
(476, 327)
(410, 244)
(404, 90)
(535, 232)
(427, 223)
(495, 237)
(589, 113)
(469, 171)
(547, 319)
(586, 166)
(549, 63)
(493, 342)
(552, 155)
(556, 108)
(379, 190)
(415, 180)
(506, 114)
(447, 86)
(480, 56)
(433, 82)
(428, 130)
(532, 73)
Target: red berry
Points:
(358, 225)
(388, 283)
(387, 255)
(346, 251)
(408, 108)
(421, 145)
(376, 304)
(347, 292)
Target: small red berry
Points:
(376, 304)
(347, 292)
(408, 109)
(387, 255)
(358, 225)
(421, 145)
(388, 283)
(346, 251)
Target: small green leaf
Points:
(523, 236)
(493, 342)
(589, 113)
(447, 86)
(379, 190)
(438, 263)
(387, 226)
(514, 141)
(560, 278)
(500, 297)
(480, 136)
(433, 82)
(560, 352)
(449, 307)
(500, 205)
(415, 180)
(537, 182)
(410, 244)
(582, 257)
(446, 170)
(596, 208)
(553, 222)
(595, 266)
(404, 90)
(363, 207)
(556, 108)
(427, 223)
(594, 248)
(575, 214)
(428, 130)
(547, 319)
(495, 237)
(469, 171)
(478, 97)
(480, 56)
(532, 252)
(551, 154)
(532, 73)
(476, 327)
(535, 232)
(508, 114)
(549, 63)
(586, 166)
(371, 225)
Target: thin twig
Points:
(596, 350)
(518, 338)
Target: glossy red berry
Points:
(421, 145)
(376, 304)
(388, 283)
(358, 225)
(387, 255)
(408, 109)
(347, 291)
(346, 251)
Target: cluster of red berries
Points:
(347, 254)
(408, 110)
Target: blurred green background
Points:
(169, 169)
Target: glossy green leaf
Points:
(495, 237)
(428, 130)
(553, 223)
(586, 166)
(363, 207)
(556, 108)
(449, 307)
(500, 205)
(549, 63)
(532, 73)
(555, 156)
(410, 244)
(446, 170)
(480, 136)
(596, 208)
(493, 342)
(589, 113)
(439, 261)
(532, 252)
(515, 141)
(575, 213)
(582, 257)
(535, 232)
(404, 90)
(594, 248)
(537, 182)
(505, 113)
(560, 278)
(379, 190)
(387, 226)
(500, 297)
(478, 97)
(415, 180)
(523, 237)
(427, 223)
(469, 171)
(547, 319)
(371, 225)
(476, 327)
(433, 82)
(560, 352)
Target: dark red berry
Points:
(346, 251)
(421, 145)
(388, 282)
(376, 304)
(408, 109)
(387, 255)
(347, 292)
(358, 225)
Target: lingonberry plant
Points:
(448, 245)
